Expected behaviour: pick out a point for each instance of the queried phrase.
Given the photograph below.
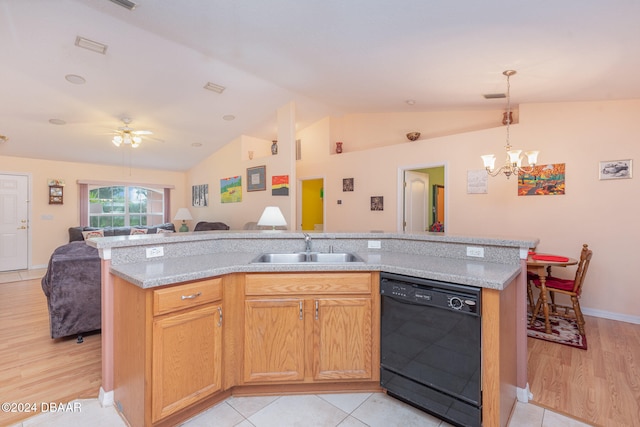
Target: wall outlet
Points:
(374, 244)
(155, 252)
(475, 251)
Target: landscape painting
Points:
(231, 189)
(544, 180)
(280, 185)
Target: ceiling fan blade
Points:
(141, 132)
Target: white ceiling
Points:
(330, 57)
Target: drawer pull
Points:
(300, 316)
(220, 316)
(316, 309)
(192, 296)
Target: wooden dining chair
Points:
(569, 287)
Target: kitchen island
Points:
(218, 265)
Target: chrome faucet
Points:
(307, 243)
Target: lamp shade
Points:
(272, 217)
(183, 214)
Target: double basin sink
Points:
(308, 257)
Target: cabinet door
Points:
(187, 358)
(342, 339)
(274, 340)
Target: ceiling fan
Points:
(129, 136)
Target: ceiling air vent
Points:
(91, 45)
(494, 96)
(125, 3)
(214, 87)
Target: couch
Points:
(72, 282)
(207, 226)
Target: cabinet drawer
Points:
(178, 297)
(307, 284)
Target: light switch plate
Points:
(374, 244)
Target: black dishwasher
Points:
(430, 346)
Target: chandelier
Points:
(513, 162)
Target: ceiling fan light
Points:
(117, 140)
(136, 141)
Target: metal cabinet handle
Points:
(219, 316)
(300, 316)
(316, 309)
(192, 296)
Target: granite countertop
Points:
(168, 271)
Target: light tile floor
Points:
(16, 276)
(322, 410)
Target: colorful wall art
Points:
(544, 180)
(280, 185)
(231, 189)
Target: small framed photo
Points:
(347, 184)
(377, 203)
(615, 169)
(256, 178)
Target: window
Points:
(118, 206)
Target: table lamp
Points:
(272, 217)
(183, 215)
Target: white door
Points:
(416, 200)
(14, 222)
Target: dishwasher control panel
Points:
(430, 292)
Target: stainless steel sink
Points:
(335, 257)
(315, 257)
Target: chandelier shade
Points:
(513, 159)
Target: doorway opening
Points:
(311, 204)
(422, 205)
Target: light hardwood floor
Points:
(33, 367)
(600, 386)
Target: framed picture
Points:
(231, 189)
(347, 184)
(280, 185)
(377, 203)
(256, 178)
(543, 180)
(615, 169)
(55, 194)
(200, 195)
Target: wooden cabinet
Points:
(167, 348)
(309, 327)
(187, 359)
(274, 340)
(342, 341)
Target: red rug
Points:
(563, 331)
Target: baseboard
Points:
(37, 267)
(609, 315)
(524, 395)
(105, 397)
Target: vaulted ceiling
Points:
(330, 57)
